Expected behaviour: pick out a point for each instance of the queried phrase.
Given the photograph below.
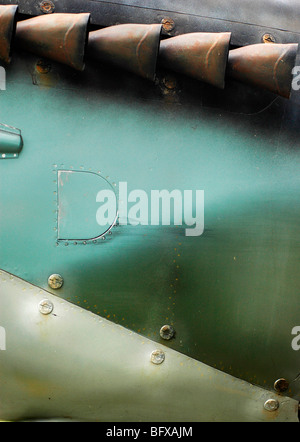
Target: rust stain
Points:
(35, 388)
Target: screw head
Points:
(268, 38)
(47, 7)
(170, 82)
(168, 24)
(55, 282)
(281, 385)
(167, 332)
(157, 357)
(46, 307)
(43, 67)
(271, 405)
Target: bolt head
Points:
(168, 24)
(43, 67)
(47, 7)
(55, 282)
(271, 405)
(170, 82)
(268, 38)
(167, 332)
(157, 357)
(46, 307)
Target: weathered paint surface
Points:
(60, 37)
(133, 47)
(89, 368)
(231, 294)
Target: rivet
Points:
(281, 385)
(46, 307)
(167, 332)
(271, 405)
(43, 67)
(47, 7)
(157, 357)
(170, 82)
(268, 38)
(168, 24)
(55, 282)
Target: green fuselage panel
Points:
(232, 293)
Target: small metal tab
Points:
(11, 142)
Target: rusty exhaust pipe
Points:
(268, 66)
(7, 30)
(59, 37)
(133, 47)
(202, 56)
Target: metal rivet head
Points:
(157, 357)
(43, 67)
(168, 24)
(55, 282)
(170, 82)
(46, 307)
(281, 385)
(268, 38)
(271, 405)
(167, 332)
(47, 7)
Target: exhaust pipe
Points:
(268, 66)
(7, 30)
(202, 56)
(59, 37)
(133, 47)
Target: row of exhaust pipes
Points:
(138, 48)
